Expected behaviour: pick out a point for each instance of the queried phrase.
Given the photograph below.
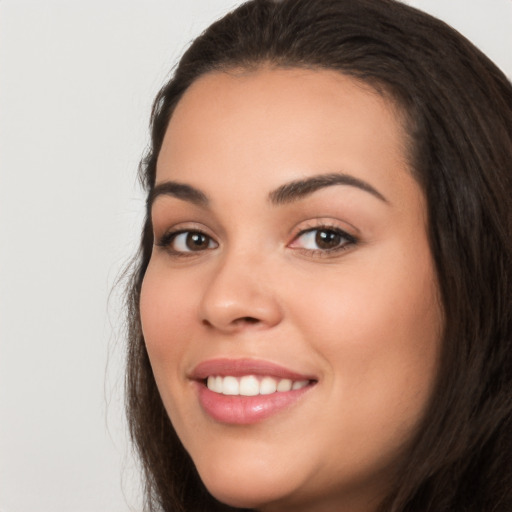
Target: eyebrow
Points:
(287, 193)
(295, 190)
(180, 191)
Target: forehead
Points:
(242, 125)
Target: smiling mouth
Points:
(252, 385)
(249, 399)
(247, 391)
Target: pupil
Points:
(196, 241)
(327, 239)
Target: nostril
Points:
(247, 320)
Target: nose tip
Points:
(231, 303)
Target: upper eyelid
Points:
(326, 223)
(298, 229)
(326, 227)
(168, 235)
(165, 222)
(337, 229)
(181, 227)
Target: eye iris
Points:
(197, 241)
(327, 239)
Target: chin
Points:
(247, 488)
(246, 493)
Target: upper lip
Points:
(241, 367)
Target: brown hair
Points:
(458, 107)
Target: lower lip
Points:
(244, 410)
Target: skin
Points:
(363, 318)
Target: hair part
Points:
(457, 112)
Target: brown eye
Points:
(197, 241)
(323, 239)
(327, 239)
(190, 241)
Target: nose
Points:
(240, 296)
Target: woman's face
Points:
(290, 306)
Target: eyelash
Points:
(170, 237)
(167, 240)
(346, 242)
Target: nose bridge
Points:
(240, 292)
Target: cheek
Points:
(371, 308)
(377, 324)
(165, 325)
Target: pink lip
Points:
(245, 410)
(240, 367)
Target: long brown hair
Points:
(457, 107)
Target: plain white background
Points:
(76, 83)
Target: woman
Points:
(320, 317)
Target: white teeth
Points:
(250, 385)
(284, 385)
(299, 384)
(211, 383)
(268, 385)
(230, 386)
